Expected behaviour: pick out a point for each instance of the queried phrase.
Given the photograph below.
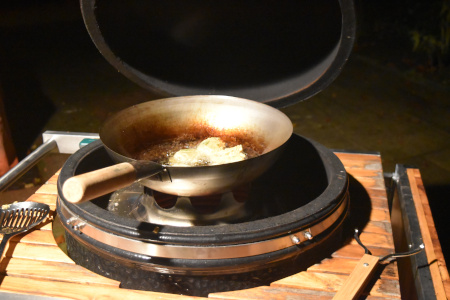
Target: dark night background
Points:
(50, 68)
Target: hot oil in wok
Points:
(161, 152)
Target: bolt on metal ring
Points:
(307, 234)
(295, 240)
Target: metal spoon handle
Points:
(5, 240)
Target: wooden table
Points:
(35, 265)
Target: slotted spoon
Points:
(20, 217)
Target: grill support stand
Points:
(65, 142)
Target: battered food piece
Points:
(211, 151)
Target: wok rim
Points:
(124, 158)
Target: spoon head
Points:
(21, 216)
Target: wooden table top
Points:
(35, 265)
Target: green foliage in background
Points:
(435, 42)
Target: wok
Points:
(131, 130)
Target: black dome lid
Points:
(276, 52)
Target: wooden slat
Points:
(354, 251)
(36, 251)
(283, 294)
(345, 266)
(279, 293)
(435, 259)
(376, 194)
(49, 199)
(333, 282)
(378, 202)
(68, 290)
(366, 168)
(53, 179)
(363, 173)
(47, 225)
(49, 189)
(275, 293)
(380, 227)
(39, 269)
(360, 160)
(371, 182)
(376, 240)
(36, 237)
(379, 215)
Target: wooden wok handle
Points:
(93, 184)
(358, 279)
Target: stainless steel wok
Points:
(130, 130)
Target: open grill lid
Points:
(276, 52)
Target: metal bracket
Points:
(68, 142)
(65, 142)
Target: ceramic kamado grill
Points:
(267, 217)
